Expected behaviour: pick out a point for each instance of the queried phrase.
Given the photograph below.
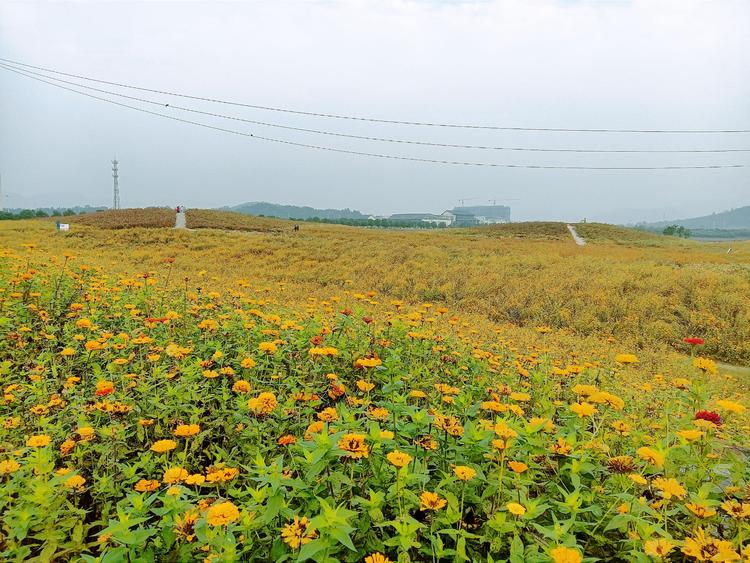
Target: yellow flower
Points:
(8, 466)
(378, 413)
(516, 509)
(730, 406)
(163, 446)
(736, 509)
(621, 427)
(365, 386)
(638, 479)
(222, 513)
(562, 554)
(658, 548)
(681, 383)
(38, 441)
(75, 482)
(517, 466)
(354, 445)
(651, 456)
(297, 533)
(399, 459)
(328, 414)
(705, 548)
(585, 390)
(221, 474)
(195, 479)
(68, 352)
(700, 510)
(184, 526)
(187, 430)
(431, 501)
(247, 363)
(669, 488)
(314, 428)
(583, 409)
(267, 347)
(705, 365)
(464, 473)
(377, 558)
(174, 475)
(690, 435)
(603, 397)
(626, 359)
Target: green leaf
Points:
(343, 537)
(309, 550)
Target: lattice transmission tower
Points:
(116, 194)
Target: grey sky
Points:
(640, 64)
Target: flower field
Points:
(159, 413)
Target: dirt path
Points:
(576, 237)
(179, 222)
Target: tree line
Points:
(35, 213)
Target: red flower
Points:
(709, 416)
(367, 320)
(693, 341)
(346, 312)
(316, 340)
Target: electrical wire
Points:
(370, 138)
(376, 155)
(371, 119)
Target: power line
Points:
(376, 155)
(371, 119)
(366, 137)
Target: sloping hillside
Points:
(294, 211)
(733, 219)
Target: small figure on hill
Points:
(296, 228)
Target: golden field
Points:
(240, 391)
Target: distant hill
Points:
(726, 220)
(294, 211)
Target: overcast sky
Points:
(562, 64)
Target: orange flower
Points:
(263, 404)
(431, 501)
(518, 466)
(146, 486)
(222, 514)
(104, 388)
(287, 440)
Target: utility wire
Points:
(366, 137)
(376, 155)
(371, 119)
